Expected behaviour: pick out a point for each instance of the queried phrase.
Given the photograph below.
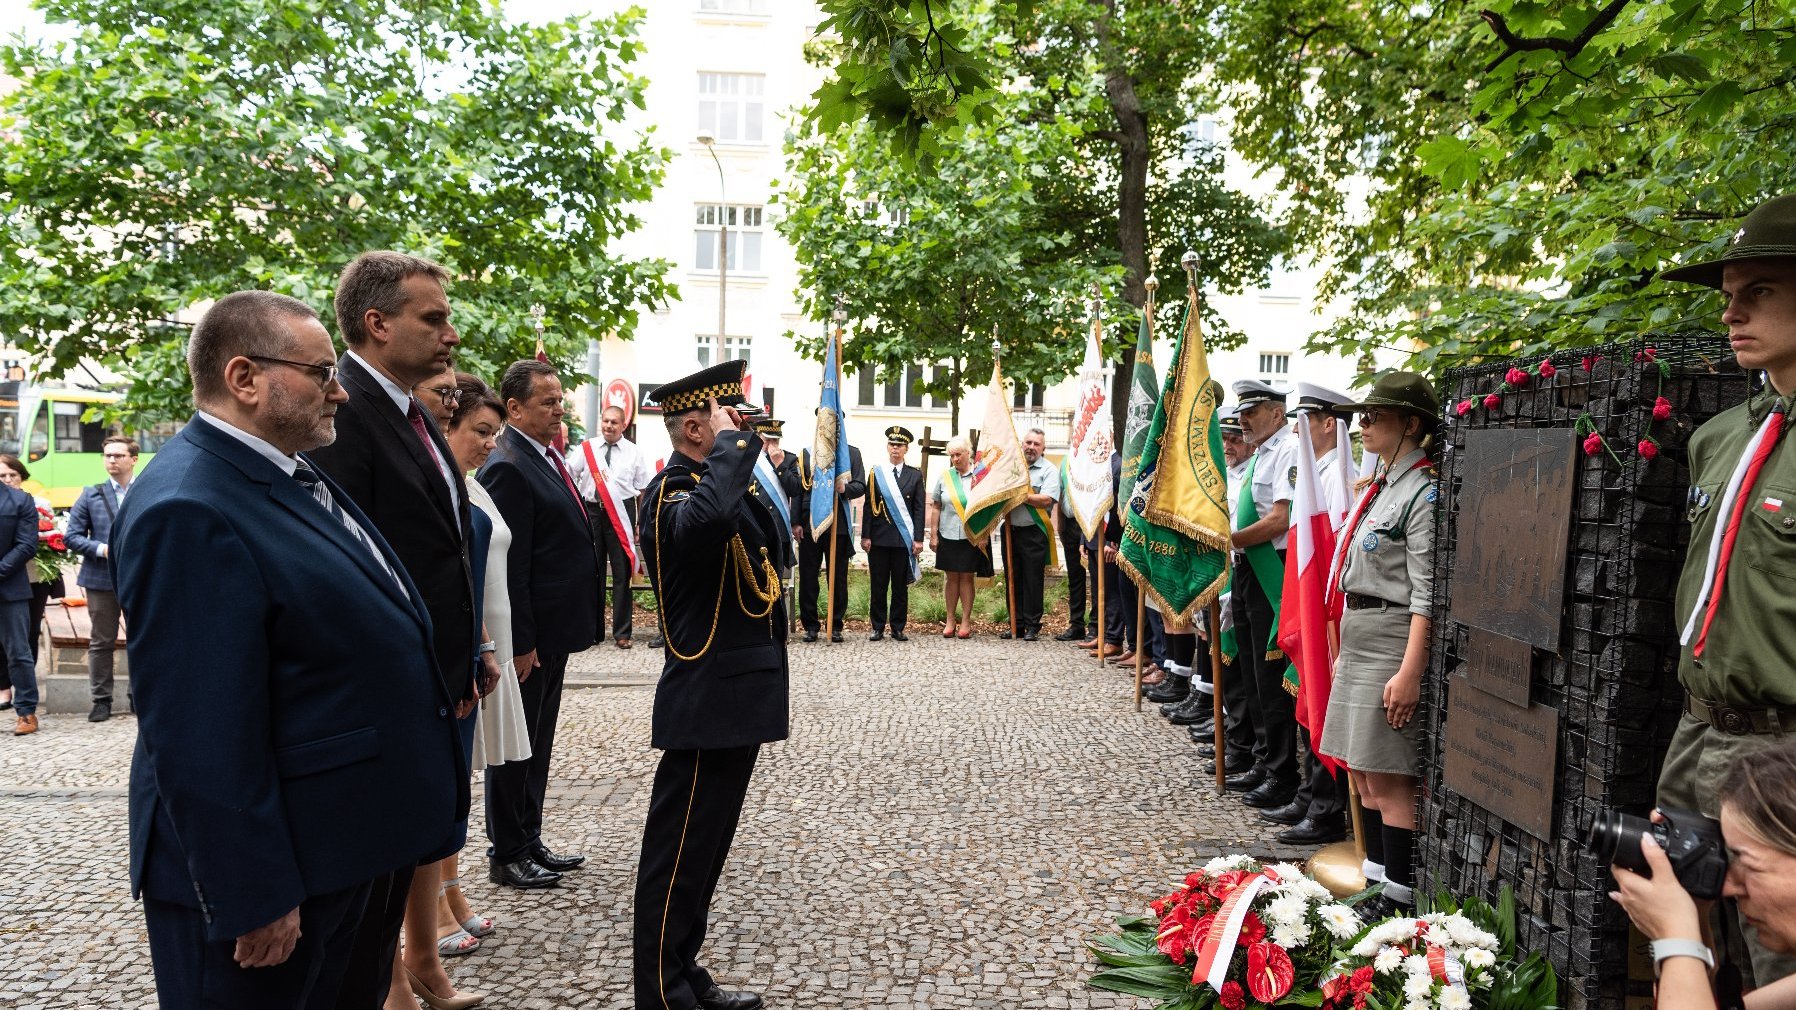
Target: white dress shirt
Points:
(402, 399)
(628, 469)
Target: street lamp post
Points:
(723, 240)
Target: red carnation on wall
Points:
(1492, 402)
(1547, 370)
(1648, 448)
(1661, 409)
(1593, 444)
(1464, 408)
(1516, 377)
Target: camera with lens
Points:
(1689, 840)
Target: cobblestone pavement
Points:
(948, 825)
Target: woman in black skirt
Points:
(960, 560)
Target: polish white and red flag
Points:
(1309, 626)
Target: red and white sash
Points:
(620, 522)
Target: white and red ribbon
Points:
(620, 523)
(1217, 948)
(1445, 967)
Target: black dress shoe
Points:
(1170, 689)
(1291, 813)
(1379, 908)
(1313, 832)
(899, 636)
(542, 857)
(1207, 751)
(1191, 715)
(877, 636)
(523, 875)
(658, 642)
(810, 636)
(1192, 702)
(1030, 636)
(1072, 634)
(716, 999)
(1205, 730)
(836, 637)
(1005, 634)
(1244, 781)
(102, 711)
(1269, 794)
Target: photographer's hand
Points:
(1659, 906)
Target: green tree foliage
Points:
(932, 265)
(174, 152)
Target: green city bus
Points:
(59, 447)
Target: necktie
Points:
(894, 476)
(307, 478)
(566, 478)
(1758, 452)
(416, 417)
(608, 447)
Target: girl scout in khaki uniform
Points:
(1384, 574)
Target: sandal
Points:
(476, 926)
(948, 632)
(457, 944)
(966, 633)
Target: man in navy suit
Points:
(553, 572)
(393, 462)
(18, 540)
(90, 527)
(308, 748)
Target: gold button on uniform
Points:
(741, 443)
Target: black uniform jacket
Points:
(800, 491)
(710, 548)
(877, 525)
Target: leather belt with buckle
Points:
(1360, 601)
(1738, 721)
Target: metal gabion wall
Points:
(1613, 679)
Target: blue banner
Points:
(829, 454)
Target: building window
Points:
(1028, 396)
(745, 237)
(730, 107)
(1200, 136)
(886, 215)
(733, 348)
(1275, 364)
(733, 6)
(906, 392)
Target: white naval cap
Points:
(1251, 392)
(1311, 397)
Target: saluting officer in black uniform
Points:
(710, 544)
(889, 550)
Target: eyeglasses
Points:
(450, 394)
(328, 373)
(1375, 415)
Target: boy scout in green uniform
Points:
(1736, 599)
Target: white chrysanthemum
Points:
(1478, 957)
(1388, 960)
(1480, 978)
(1287, 872)
(1292, 936)
(1416, 965)
(1417, 987)
(1420, 1003)
(1340, 920)
(1223, 864)
(1315, 891)
(1286, 911)
(1454, 998)
(1438, 936)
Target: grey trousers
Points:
(102, 642)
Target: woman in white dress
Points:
(499, 733)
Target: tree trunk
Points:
(1133, 156)
(954, 401)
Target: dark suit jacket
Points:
(801, 502)
(90, 527)
(18, 543)
(552, 569)
(293, 737)
(876, 522)
(733, 692)
(378, 460)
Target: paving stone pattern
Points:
(948, 825)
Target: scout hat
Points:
(1312, 398)
(1252, 392)
(1768, 232)
(896, 435)
(767, 427)
(1404, 390)
(722, 381)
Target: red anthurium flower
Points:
(1225, 883)
(1269, 972)
(1547, 370)
(1648, 448)
(1661, 409)
(1230, 997)
(1492, 402)
(1593, 444)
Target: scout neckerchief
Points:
(898, 513)
(1733, 506)
(1338, 566)
(1263, 559)
(620, 523)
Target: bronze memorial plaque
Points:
(1515, 509)
(1502, 757)
(1498, 665)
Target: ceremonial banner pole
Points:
(1004, 528)
(829, 587)
(1215, 618)
(1140, 631)
(1099, 566)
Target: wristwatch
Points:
(486, 647)
(1663, 949)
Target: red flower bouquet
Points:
(1235, 935)
(52, 549)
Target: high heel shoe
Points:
(461, 1001)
